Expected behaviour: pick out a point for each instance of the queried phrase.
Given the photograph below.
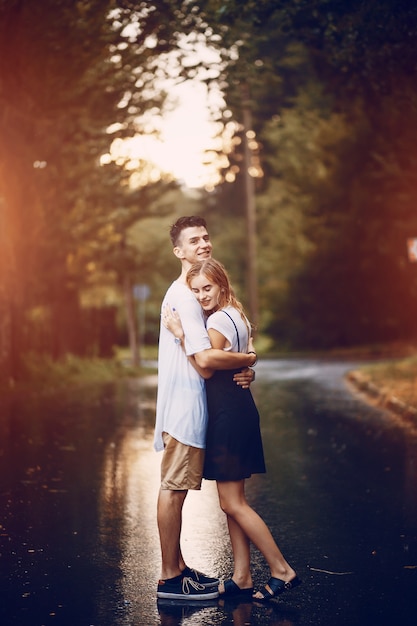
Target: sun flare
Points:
(185, 146)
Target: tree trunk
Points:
(131, 321)
(250, 212)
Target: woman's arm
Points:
(171, 320)
(219, 359)
(215, 357)
(205, 372)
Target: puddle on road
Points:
(78, 488)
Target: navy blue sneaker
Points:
(201, 578)
(184, 588)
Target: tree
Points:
(345, 194)
(73, 77)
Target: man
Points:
(181, 413)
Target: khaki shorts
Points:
(182, 466)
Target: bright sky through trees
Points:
(185, 134)
(185, 130)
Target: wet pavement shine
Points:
(78, 488)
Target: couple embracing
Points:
(207, 424)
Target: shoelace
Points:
(195, 574)
(188, 582)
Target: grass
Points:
(42, 373)
(397, 377)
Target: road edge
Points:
(405, 413)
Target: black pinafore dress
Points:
(234, 448)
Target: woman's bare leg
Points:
(241, 556)
(233, 502)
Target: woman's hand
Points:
(171, 321)
(245, 377)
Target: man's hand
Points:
(244, 378)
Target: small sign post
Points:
(141, 294)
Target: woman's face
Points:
(206, 292)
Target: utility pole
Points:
(250, 210)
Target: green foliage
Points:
(45, 373)
(334, 261)
(360, 47)
(333, 102)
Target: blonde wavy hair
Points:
(216, 273)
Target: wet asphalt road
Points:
(78, 488)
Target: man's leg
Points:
(176, 584)
(181, 470)
(169, 514)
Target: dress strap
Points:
(233, 322)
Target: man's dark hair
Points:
(185, 222)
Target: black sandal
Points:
(277, 586)
(232, 590)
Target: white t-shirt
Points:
(181, 406)
(220, 321)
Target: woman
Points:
(234, 447)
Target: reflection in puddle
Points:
(128, 502)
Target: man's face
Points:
(194, 245)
